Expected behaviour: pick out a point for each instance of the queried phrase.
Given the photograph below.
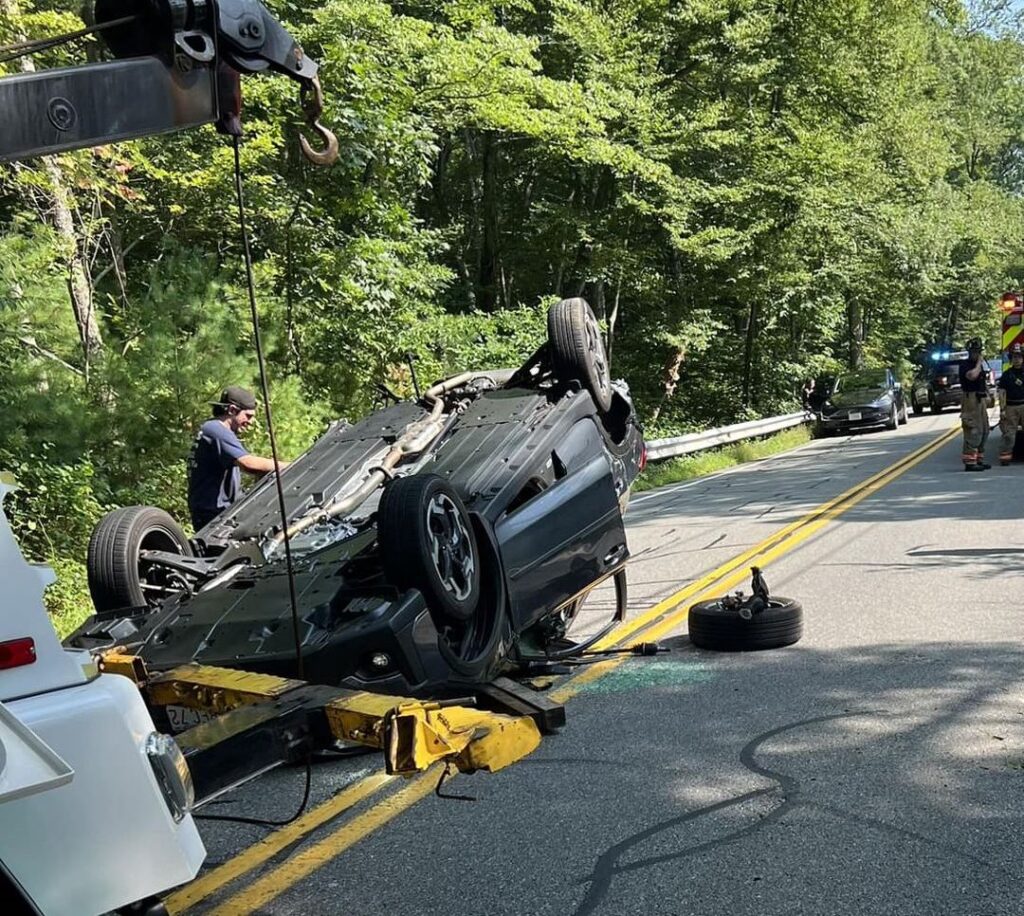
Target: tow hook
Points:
(312, 101)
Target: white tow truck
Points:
(94, 801)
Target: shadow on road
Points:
(759, 768)
(876, 779)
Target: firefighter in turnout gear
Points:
(974, 408)
(1011, 403)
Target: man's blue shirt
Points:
(214, 479)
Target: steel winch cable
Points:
(289, 566)
(38, 45)
(267, 412)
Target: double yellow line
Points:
(652, 625)
(670, 613)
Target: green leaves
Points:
(747, 192)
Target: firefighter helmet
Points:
(1016, 350)
(974, 344)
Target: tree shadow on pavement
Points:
(870, 779)
(906, 758)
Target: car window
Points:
(950, 369)
(863, 378)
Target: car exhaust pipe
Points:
(413, 440)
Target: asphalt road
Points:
(875, 767)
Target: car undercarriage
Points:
(435, 543)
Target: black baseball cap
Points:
(236, 396)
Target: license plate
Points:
(181, 718)
(855, 415)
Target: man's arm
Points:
(973, 374)
(254, 464)
(232, 452)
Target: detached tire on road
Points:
(427, 542)
(112, 563)
(577, 349)
(715, 626)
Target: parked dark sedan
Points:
(436, 542)
(862, 399)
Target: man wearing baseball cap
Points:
(218, 457)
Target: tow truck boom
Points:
(177, 64)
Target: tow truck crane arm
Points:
(177, 64)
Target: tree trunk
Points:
(598, 297)
(291, 330)
(489, 258)
(855, 331)
(613, 317)
(951, 322)
(748, 352)
(670, 378)
(60, 213)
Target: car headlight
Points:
(172, 774)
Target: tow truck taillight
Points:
(17, 652)
(643, 459)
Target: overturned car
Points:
(434, 543)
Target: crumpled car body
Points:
(543, 475)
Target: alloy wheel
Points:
(451, 547)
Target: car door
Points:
(568, 535)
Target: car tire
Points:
(712, 625)
(935, 407)
(894, 418)
(427, 542)
(112, 562)
(577, 349)
(918, 409)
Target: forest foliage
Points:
(748, 192)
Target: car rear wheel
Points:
(918, 409)
(117, 574)
(894, 418)
(936, 408)
(577, 349)
(715, 625)
(427, 542)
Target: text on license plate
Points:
(854, 415)
(181, 718)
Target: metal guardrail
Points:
(659, 449)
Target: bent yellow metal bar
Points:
(413, 734)
(215, 690)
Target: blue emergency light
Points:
(941, 354)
